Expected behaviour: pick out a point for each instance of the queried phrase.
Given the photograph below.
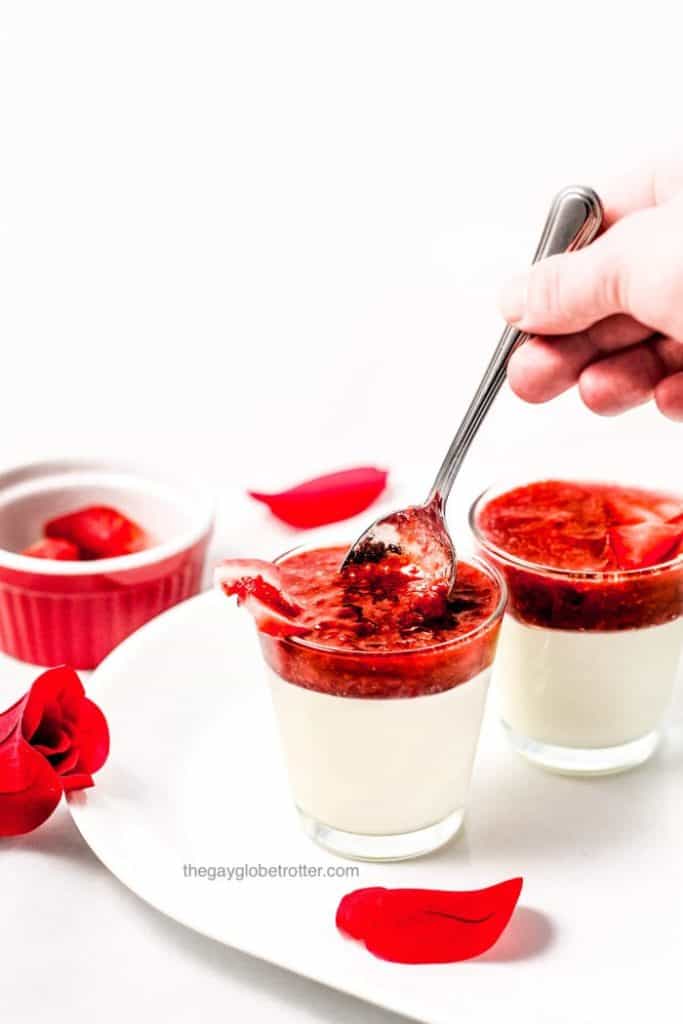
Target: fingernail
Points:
(513, 298)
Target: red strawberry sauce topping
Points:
(386, 605)
(379, 629)
(598, 534)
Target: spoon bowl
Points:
(418, 531)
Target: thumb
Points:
(567, 293)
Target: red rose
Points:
(51, 740)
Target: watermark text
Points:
(244, 872)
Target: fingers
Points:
(602, 309)
(609, 384)
(629, 378)
(617, 332)
(567, 293)
(544, 368)
(669, 391)
(635, 268)
(669, 397)
(622, 381)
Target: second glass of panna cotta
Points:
(380, 705)
(593, 633)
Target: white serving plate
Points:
(195, 777)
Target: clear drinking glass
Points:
(377, 772)
(587, 659)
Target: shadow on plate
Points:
(529, 934)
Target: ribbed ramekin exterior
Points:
(80, 621)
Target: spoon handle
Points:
(573, 222)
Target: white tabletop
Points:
(260, 241)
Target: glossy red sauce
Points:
(380, 629)
(386, 605)
(601, 530)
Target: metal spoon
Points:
(574, 220)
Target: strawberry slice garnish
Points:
(670, 510)
(645, 544)
(99, 531)
(626, 511)
(259, 588)
(56, 548)
(629, 507)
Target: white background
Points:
(259, 241)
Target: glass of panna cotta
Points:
(380, 702)
(592, 637)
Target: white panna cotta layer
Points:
(378, 766)
(592, 689)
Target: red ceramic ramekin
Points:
(74, 613)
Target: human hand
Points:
(611, 314)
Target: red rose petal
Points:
(54, 740)
(56, 548)
(77, 780)
(99, 531)
(644, 544)
(53, 695)
(67, 762)
(326, 499)
(433, 939)
(428, 926)
(10, 717)
(93, 737)
(30, 789)
(356, 908)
